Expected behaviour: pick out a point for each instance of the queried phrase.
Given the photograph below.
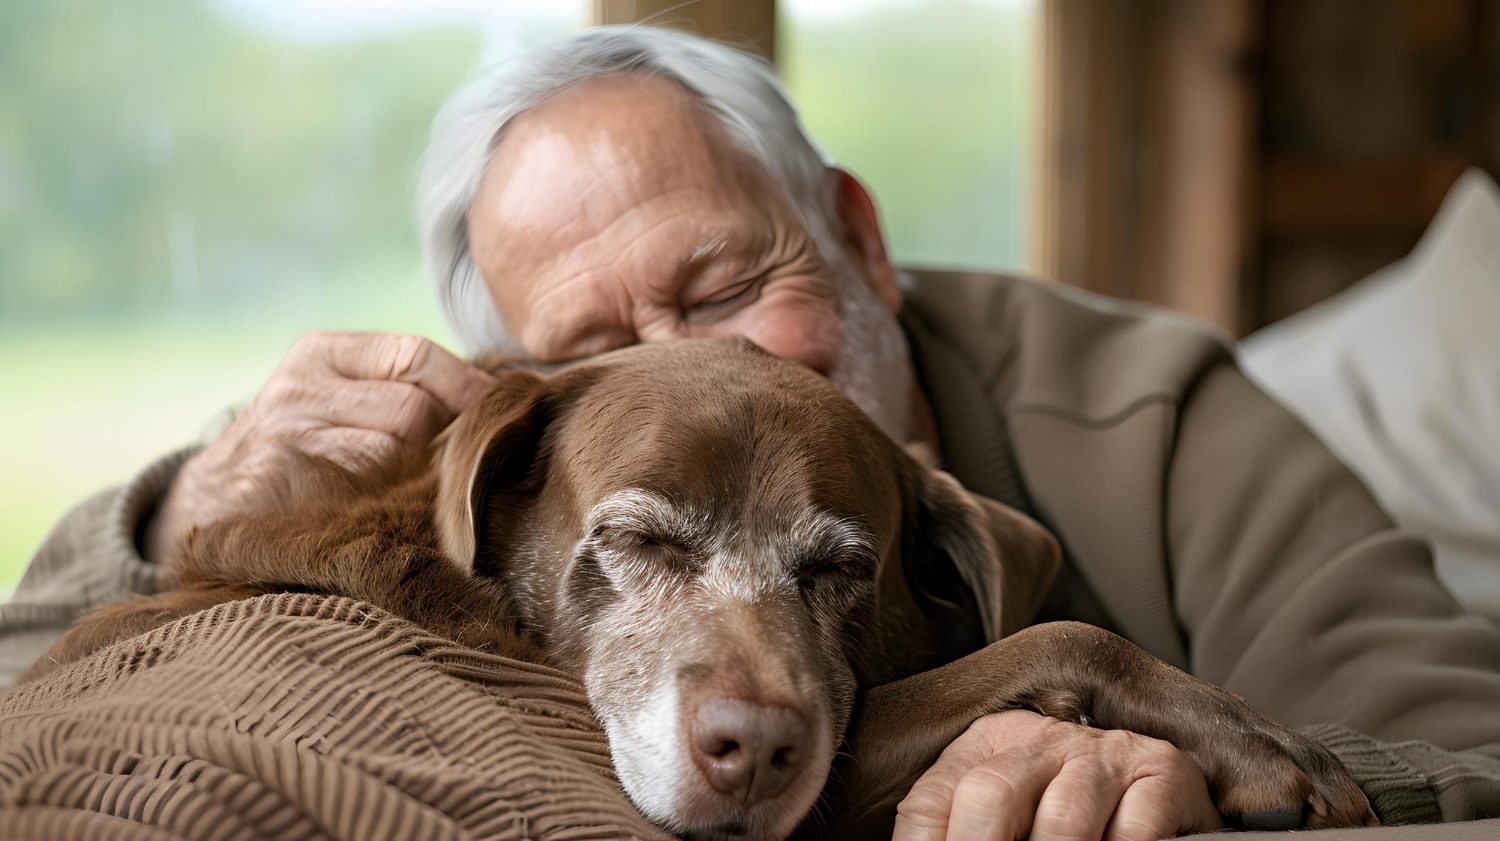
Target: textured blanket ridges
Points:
(304, 717)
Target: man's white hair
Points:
(740, 89)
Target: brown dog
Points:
(731, 556)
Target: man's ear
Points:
(967, 549)
(860, 223)
(491, 446)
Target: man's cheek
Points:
(806, 331)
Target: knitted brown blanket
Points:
(304, 717)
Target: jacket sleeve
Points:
(90, 557)
(1298, 593)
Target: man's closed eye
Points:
(730, 298)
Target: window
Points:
(186, 187)
(930, 104)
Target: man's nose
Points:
(748, 751)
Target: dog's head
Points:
(725, 549)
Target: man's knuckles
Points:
(926, 805)
(403, 354)
(986, 790)
(1011, 728)
(416, 413)
(386, 356)
(1078, 804)
(306, 347)
(1065, 824)
(1053, 778)
(1130, 753)
(282, 390)
(353, 450)
(1023, 731)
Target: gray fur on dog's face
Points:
(681, 610)
(713, 539)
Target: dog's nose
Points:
(746, 750)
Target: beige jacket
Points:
(1199, 519)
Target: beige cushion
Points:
(1400, 377)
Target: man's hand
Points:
(1016, 773)
(356, 399)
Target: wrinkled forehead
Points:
(736, 439)
(605, 146)
(622, 179)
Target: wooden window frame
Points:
(750, 23)
(1145, 154)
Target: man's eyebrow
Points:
(711, 247)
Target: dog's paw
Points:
(1264, 776)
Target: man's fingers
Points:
(1153, 808)
(351, 449)
(998, 798)
(354, 399)
(1012, 775)
(923, 814)
(1078, 802)
(961, 798)
(401, 358)
(919, 830)
(406, 411)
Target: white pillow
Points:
(1400, 377)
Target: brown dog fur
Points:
(597, 518)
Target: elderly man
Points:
(641, 185)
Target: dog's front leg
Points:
(1258, 771)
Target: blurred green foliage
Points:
(929, 103)
(182, 194)
(156, 154)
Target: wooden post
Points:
(747, 23)
(1199, 122)
(1147, 132)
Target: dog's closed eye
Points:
(809, 570)
(832, 579)
(819, 579)
(634, 551)
(829, 546)
(824, 569)
(648, 545)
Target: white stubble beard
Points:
(874, 367)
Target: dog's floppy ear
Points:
(492, 444)
(968, 551)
